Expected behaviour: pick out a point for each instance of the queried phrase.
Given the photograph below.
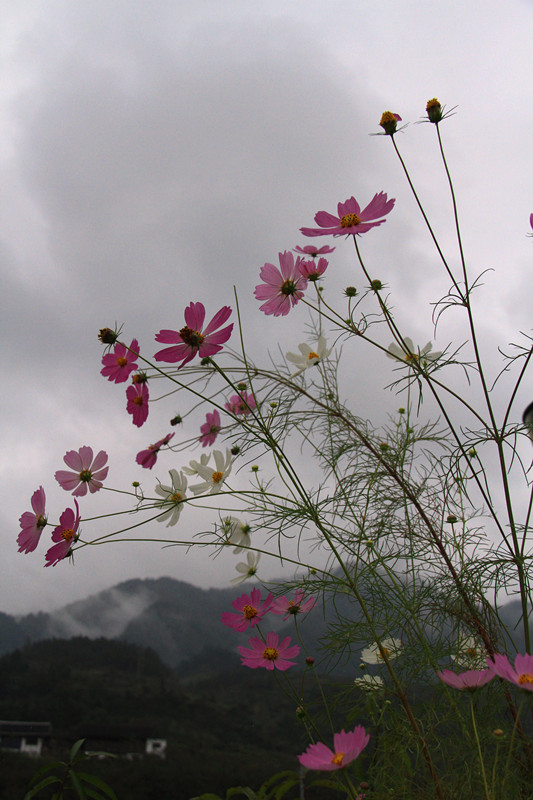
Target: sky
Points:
(158, 153)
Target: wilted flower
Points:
(309, 357)
(351, 219)
(372, 654)
(389, 122)
(346, 748)
(269, 654)
(246, 570)
(173, 497)
(87, 472)
(411, 354)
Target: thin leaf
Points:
(36, 789)
(99, 783)
(78, 785)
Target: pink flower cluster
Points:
(88, 474)
(117, 367)
(265, 651)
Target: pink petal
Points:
(194, 316)
(99, 462)
(168, 337)
(218, 320)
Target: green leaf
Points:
(99, 783)
(76, 748)
(78, 785)
(207, 796)
(36, 789)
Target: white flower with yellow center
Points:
(470, 654)
(410, 354)
(248, 569)
(309, 357)
(372, 654)
(192, 469)
(237, 532)
(213, 479)
(173, 497)
(370, 683)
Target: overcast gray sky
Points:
(154, 153)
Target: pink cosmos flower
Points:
(242, 403)
(283, 605)
(121, 362)
(530, 224)
(192, 340)
(32, 524)
(350, 219)
(281, 289)
(311, 250)
(137, 396)
(313, 270)
(147, 458)
(65, 535)
(210, 429)
(346, 748)
(269, 654)
(522, 674)
(251, 611)
(471, 680)
(87, 472)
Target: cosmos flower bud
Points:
(451, 518)
(389, 122)
(434, 110)
(107, 336)
(376, 285)
(350, 291)
(176, 420)
(309, 661)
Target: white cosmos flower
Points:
(246, 570)
(192, 469)
(213, 479)
(372, 655)
(370, 683)
(307, 357)
(412, 353)
(470, 653)
(237, 532)
(173, 497)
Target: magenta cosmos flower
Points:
(32, 523)
(87, 472)
(147, 458)
(281, 289)
(311, 250)
(313, 270)
(119, 364)
(284, 605)
(250, 611)
(346, 748)
(242, 403)
(269, 654)
(65, 535)
(472, 679)
(192, 340)
(350, 219)
(521, 675)
(210, 429)
(137, 396)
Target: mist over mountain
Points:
(181, 622)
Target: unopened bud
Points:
(107, 336)
(309, 661)
(235, 450)
(350, 291)
(376, 285)
(176, 420)
(434, 110)
(451, 518)
(389, 122)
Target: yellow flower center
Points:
(387, 116)
(288, 287)
(190, 337)
(312, 355)
(270, 653)
(387, 653)
(176, 497)
(411, 357)
(249, 612)
(67, 534)
(471, 653)
(121, 362)
(337, 759)
(433, 103)
(349, 220)
(138, 401)
(216, 477)
(525, 678)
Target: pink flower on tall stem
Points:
(137, 403)
(346, 748)
(313, 270)
(65, 535)
(147, 458)
(283, 605)
(210, 429)
(269, 654)
(192, 340)
(121, 362)
(521, 674)
(313, 251)
(32, 523)
(87, 472)
(350, 219)
(250, 611)
(242, 403)
(281, 289)
(472, 679)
